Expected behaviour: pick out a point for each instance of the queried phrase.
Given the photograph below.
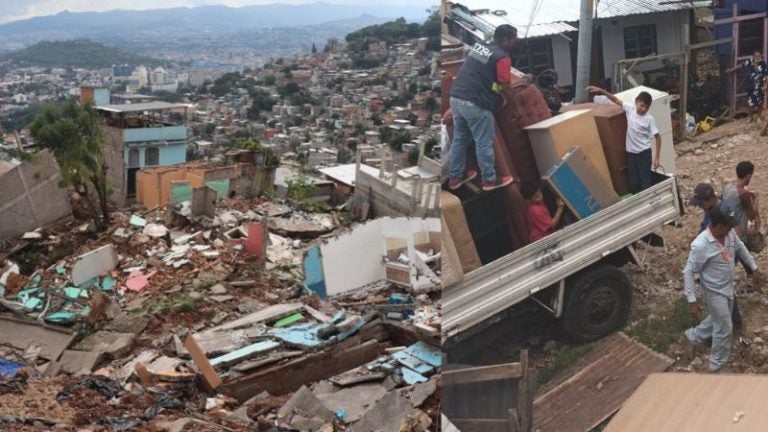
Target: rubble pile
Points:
(173, 319)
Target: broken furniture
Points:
(479, 399)
(575, 180)
(551, 139)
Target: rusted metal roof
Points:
(536, 18)
(582, 398)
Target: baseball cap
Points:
(723, 216)
(701, 193)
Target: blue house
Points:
(142, 135)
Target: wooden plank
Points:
(285, 378)
(710, 43)
(524, 409)
(270, 313)
(210, 377)
(481, 374)
(244, 353)
(481, 425)
(272, 358)
(737, 19)
(688, 402)
(596, 386)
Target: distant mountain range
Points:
(75, 53)
(204, 19)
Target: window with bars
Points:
(533, 55)
(639, 41)
(152, 156)
(133, 158)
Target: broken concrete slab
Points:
(112, 343)
(386, 415)
(300, 227)
(128, 323)
(20, 334)
(305, 411)
(218, 289)
(221, 298)
(94, 263)
(355, 401)
(268, 314)
(421, 392)
(244, 353)
(80, 362)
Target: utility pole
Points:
(584, 53)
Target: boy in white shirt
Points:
(641, 127)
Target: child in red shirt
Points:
(540, 222)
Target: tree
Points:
(314, 48)
(76, 137)
(344, 156)
(270, 80)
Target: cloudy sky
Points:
(12, 10)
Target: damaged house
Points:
(30, 196)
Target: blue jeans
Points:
(639, 165)
(471, 122)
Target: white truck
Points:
(575, 273)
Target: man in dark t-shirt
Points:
(475, 95)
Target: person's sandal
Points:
(504, 182)
(455, 184)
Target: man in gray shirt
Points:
(713, 255)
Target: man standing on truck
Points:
(475, 95)
(704, 197)
(641, 126)
(713, 256)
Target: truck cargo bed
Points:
(511, 279)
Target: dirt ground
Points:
(659, 313)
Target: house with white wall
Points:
(548, 31)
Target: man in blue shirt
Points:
(704, 197)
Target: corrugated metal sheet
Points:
(580, 400)
(536, 18)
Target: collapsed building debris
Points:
(211, 320)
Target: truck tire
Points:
(597, 303)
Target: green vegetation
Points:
(659, 333)
(565, 359)
(76, 53)
(167, 96)
(18, 120)
(394, 137)
(75, 135)
(394, 32)
(262, 101)
(225, 84)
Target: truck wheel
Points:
(597, 303)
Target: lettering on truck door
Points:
(548, 256)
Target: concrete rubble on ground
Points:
(216, 321)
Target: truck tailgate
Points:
(507, 281)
